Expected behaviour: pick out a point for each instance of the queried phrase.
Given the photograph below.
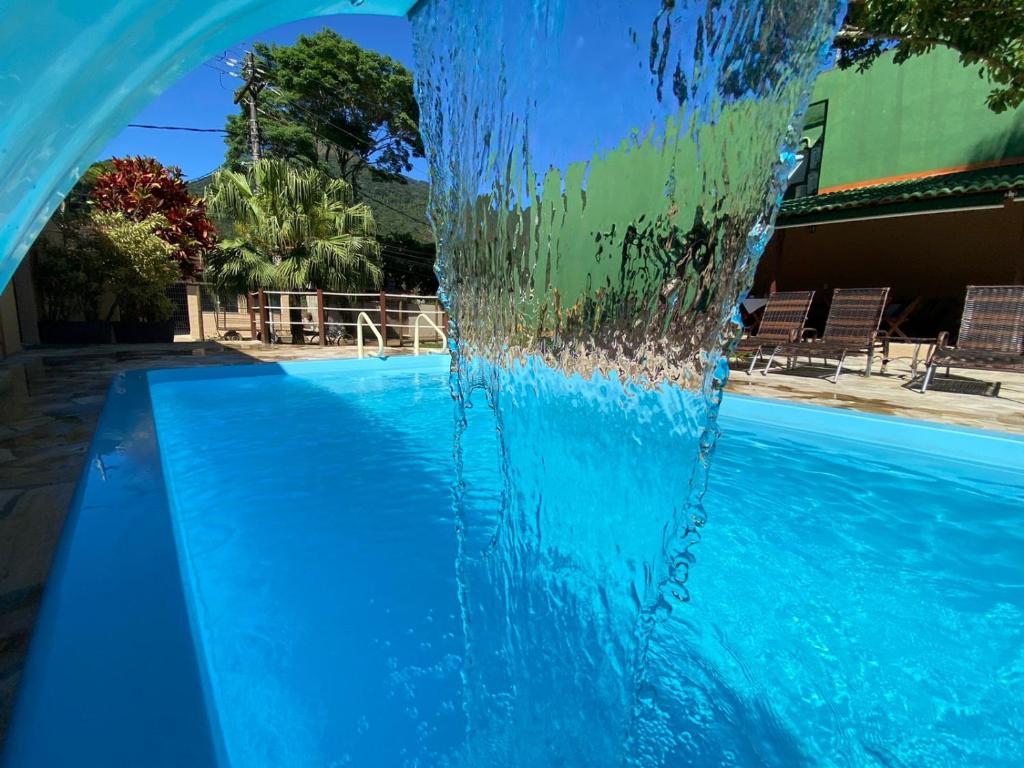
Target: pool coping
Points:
(962, 444)
(112, 652)
(240, 370)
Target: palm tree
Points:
(290, 228)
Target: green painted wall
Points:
(925, 114)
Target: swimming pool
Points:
(260, 570)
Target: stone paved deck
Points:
(51, 399)
(960, 399)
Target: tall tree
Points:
(330, 103)
(140, 187)
(987, 34)
(290, 228)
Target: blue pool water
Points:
(315, 526)
(857, 598)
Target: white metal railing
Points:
(364, 319)
(416, 332)
(322, 317)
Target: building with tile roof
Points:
(907, 180)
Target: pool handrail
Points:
(361, 319)
(416, 332)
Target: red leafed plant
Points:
(140, 187)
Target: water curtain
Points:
(604, 178)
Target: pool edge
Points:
(105, 630)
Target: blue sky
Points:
(589, 89)
(203, 97)
(569, 123)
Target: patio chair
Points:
(851, 328)
(782, 322)
(991, 333)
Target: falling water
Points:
(604, 175)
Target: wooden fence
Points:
(325, 317)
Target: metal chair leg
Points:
(771, 358)
(927, 378)
(753, 362)
(916, 358)
(839, 368)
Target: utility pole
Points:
(251, 89)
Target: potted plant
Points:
(126, 232)
(141, 269)
(159, 234)
(69, 272)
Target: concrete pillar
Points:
(285, 316)
(28, 309)
(10, 333)
(776, 256)
(1018, 272)
(195, 312)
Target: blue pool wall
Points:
(1001, 450)
(113, 676)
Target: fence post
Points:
(263, 317)
(384, 317)
(320, 319)
(250, 299)
(194, 305)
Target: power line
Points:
(399, 254)
(411, 254)
(406, 264)
(176, 128)
(423, 258)
(202, 176)
(410, 262)
(237, 54)
(220, 75)
(215, 68)
(392, 208)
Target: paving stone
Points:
(8, 496)
(96, 400)
(29, 533)
(24, 425)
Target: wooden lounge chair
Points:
(851, 328)
(896, 315)
(991, 333)
(782, 322)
